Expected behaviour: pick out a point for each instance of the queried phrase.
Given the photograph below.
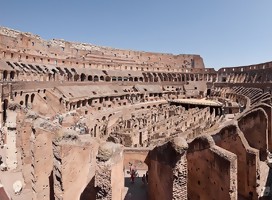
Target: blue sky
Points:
(224, 32)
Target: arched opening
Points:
(130, 79)
(76, 77)
(102, 78)
(135, 79)
(150, 78)
(32, 98)
(82, 77)
(12, 75)
(208, 92)
(141, 79)
(26, 100)
(182, 78)
(60, 100)
(120, 78)
(90, 78)
(96, 79)
(78, 104)
(5, 107)
(113, 78)
(108, 79)
(5, 75)
(89, 102)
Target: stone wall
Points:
(167, 171)
(211, 171)
(74, 166)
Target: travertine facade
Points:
(76, 117)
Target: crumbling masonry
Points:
(75, 117)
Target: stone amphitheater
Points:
(76, 117)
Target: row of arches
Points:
(31, 72)
(177, 77)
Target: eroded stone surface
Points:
(76, 118)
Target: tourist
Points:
(132, 175)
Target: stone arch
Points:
(208, 92)
(82, 77)
(76, 77)
(108, 79)
(78, 104)
(5, 74)
(32, 98)
(89, 102)
(96, 79)
(102, 78)
(12, 75)
(84, 102)
(90, 78)
(26, 100)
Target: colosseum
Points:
(85, 122)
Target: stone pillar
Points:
(109, 176)
(171, 159)
(74, 167)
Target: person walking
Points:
(132, 175)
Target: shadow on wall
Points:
(89, 192)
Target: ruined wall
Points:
(24, 130)
(74, 166)
(28, 47)
(211, 171)
(42, 162)
(254, 125)
(167, 171)
(268, 111)
(109, 175)
(248, 172)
